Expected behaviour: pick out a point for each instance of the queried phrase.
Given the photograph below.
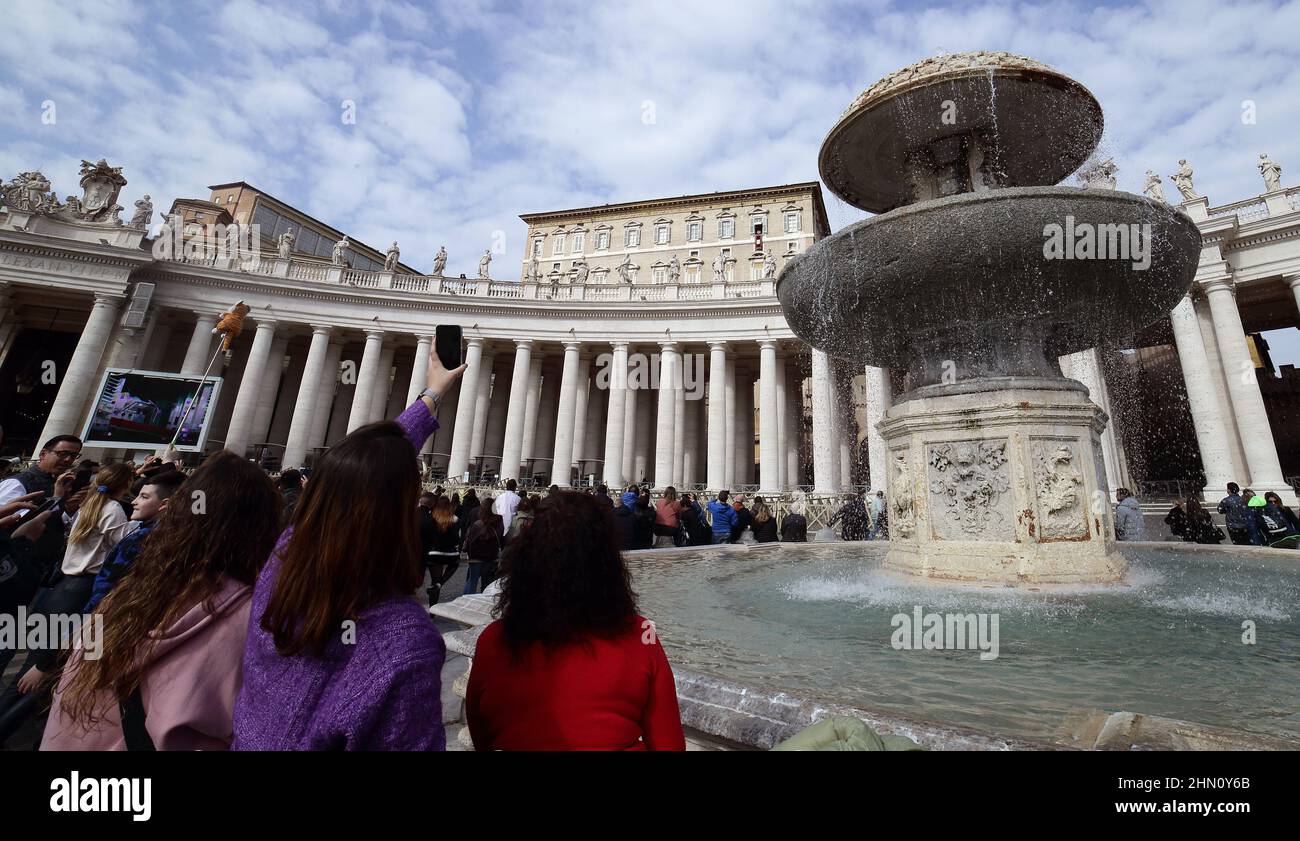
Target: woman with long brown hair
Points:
(340, 655)
(570, 665)
(442, 553)
(173, 628)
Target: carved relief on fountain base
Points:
(1000, 486)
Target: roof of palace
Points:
(737, 196)
(330, 228)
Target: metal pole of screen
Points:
(198, 395)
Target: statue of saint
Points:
(284, 245)
(483, 263)
(390, 257)
(625, 268)
(440, 261)
(143, 213)
(1183, 181)
(674, 270)
(1271, 171)
(1153, 189)
(769, 266)
(720, 268)
(337, 257)
(534, 273)
(580, 272)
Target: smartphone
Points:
(52, 502)
(446, 339)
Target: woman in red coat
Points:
(570, 665)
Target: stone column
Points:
(494, 437)
(512, 447)
(743, 441)
(1247, 402)
(1211, 432)
(562, 455)
(78, 380)
(547, 407)
(438, 447)
(782, 423)
(679, 421)
(250, 388)
(594, 445)
(769, 447)
(794, 428)
(1293, 281)
(530, 452)
(665, 432)
(458, 463)
(732, 418)
(691, 441)
(270, 390)
(633, 397)
(199, 353)
(306, 409)
(1221, 394)
(483, 405)
(367, 378)
(328, 383)
(643, 462)
(615, 417)
(156, 348)
(420, 370)
(1085, 366)
(843, 425)
(880, 397)
(825, 448)
(580, 414)
(383, 385)
(716, 477)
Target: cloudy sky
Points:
(470, 113)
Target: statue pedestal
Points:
(1000, 481)
(1277, 203)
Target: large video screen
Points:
(143, 409)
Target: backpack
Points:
(485, 546)
(1275, 528)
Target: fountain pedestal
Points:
(1000, 480)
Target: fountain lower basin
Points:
(816, 621)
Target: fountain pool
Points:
(815, 620)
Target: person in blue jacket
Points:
(724, 517)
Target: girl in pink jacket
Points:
(173, 630)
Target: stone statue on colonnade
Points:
(1153, 189)
(440, 261)
(1271, 171)
(1183, 180)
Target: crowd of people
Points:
(1250, 520)
(232, 611)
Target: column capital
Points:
(717, 344)
(374, 332)
(1219, 284)
(1292, 280)
(668, 346)
(619, 345)
(267, 321)
(522, 343)
(423, 338)
(321, 329)
(212, 316)
(106, 298)
(573, 346)
(769, 344)
(475, 341)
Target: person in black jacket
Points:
(624, 521)
(1200, 528)
(1176, 519)
(794, 527)
(439, 542)
(744, 517)
(764, 524)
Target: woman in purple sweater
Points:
(340, 655)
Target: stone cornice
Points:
(626, 208)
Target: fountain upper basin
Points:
(965, 278)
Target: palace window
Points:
(602, 240)
(694, 231)
(792, 222)
(632, 237)
(660, 274)
(726, 228)
(692, 274)
(537, 247)
(558, 245)
(579, 241)
(661, 234)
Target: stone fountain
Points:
(977, 274)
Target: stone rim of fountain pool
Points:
(758, 717)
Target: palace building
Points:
(684, 285)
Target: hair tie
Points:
(103, 489)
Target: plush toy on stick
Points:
(231, 324)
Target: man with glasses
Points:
(57, 457)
